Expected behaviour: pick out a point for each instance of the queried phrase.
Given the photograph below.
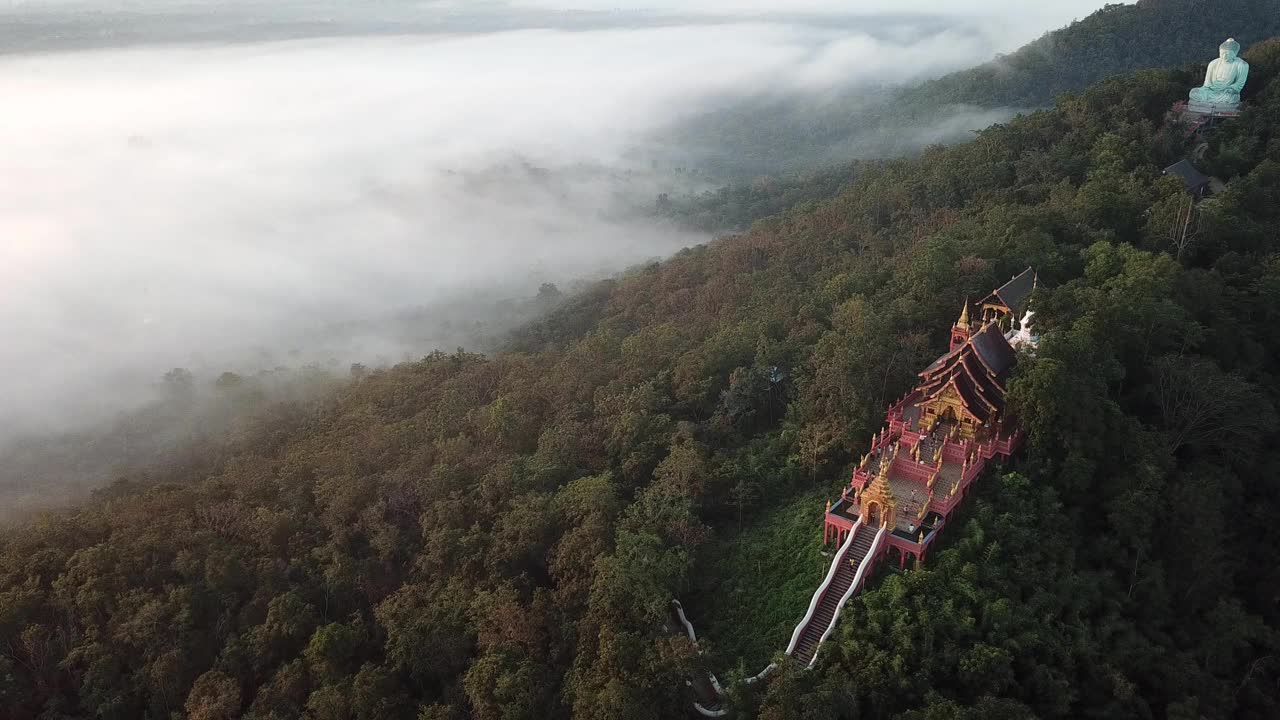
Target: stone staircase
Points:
(824, 613)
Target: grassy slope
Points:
(745, 617)
(757, 582)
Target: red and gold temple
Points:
(939, 437)
(937, 441)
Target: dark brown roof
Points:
(990, 347)
(994, 350)
(1014, 293)
(1195, 181)
(971, 399)
(991, 387)
(942, 360)
(977, 369)
(979, 390)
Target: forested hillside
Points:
(499, 537)
(767, 148)
(1120, 38)
(191, 416)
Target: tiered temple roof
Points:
(976, 369)
(941, 434)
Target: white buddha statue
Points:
(1224, 79)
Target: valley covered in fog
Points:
(250, 185)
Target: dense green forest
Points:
(776, 151)
(499, 536)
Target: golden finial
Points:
(963, 322)
(828, 507)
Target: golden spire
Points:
(880, 493)
(963, 322)
(879, 487)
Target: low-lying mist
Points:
(243, 186)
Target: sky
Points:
(1058, 11)
(221, 186)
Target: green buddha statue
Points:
(1224, 79)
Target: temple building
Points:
(936, 441)
(1006, 302)
(941, 434)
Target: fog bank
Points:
(232, 186)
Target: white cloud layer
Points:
(178, 205)
(967, 8)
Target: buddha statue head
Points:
(1229, 49)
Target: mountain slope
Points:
(1116, 40)
(781, 135)
(499, 537)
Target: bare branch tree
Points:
(1201, 404)
(1176, 221)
